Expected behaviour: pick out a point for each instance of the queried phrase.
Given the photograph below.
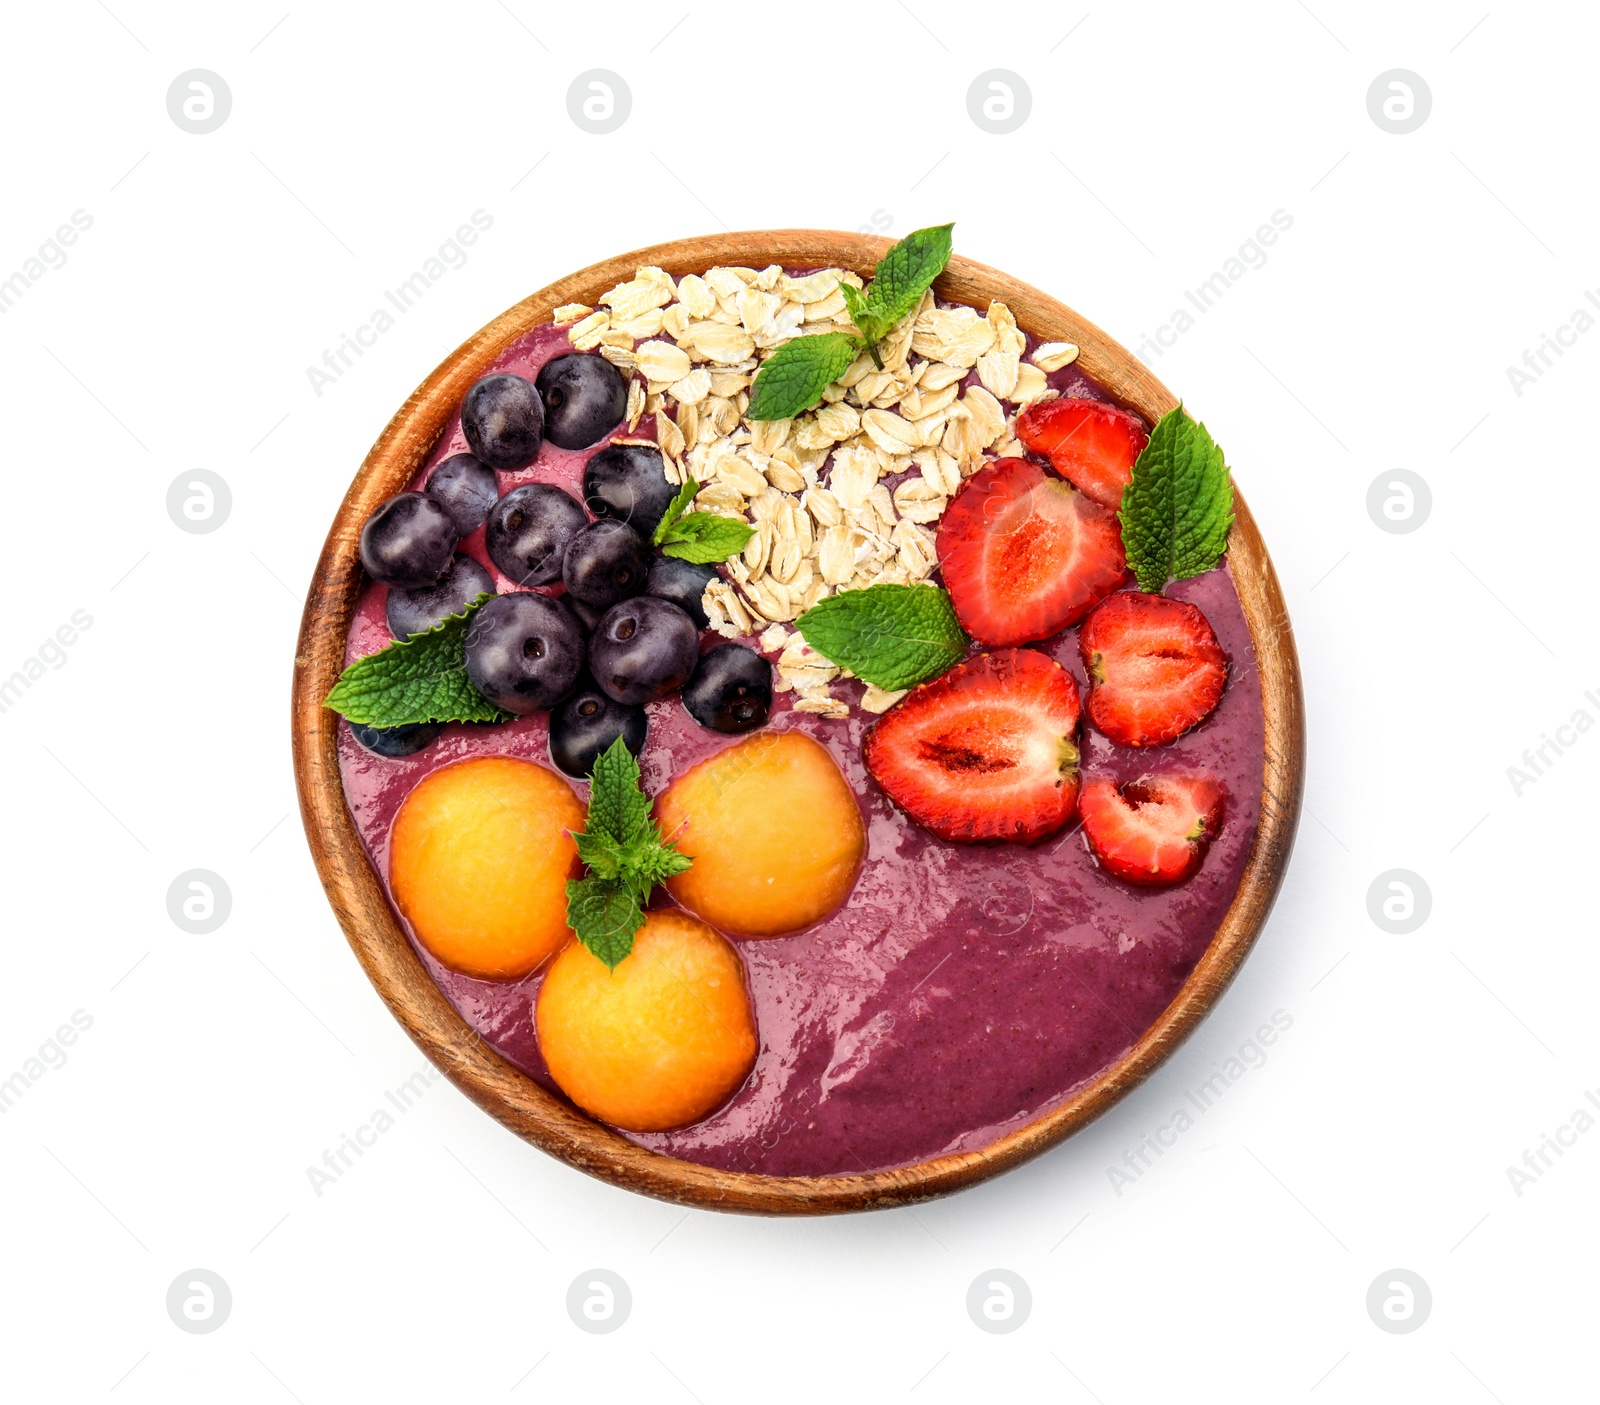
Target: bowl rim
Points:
(511, 1096)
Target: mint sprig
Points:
(892, 636)
(705, 538)
(625, 855)
(699, 537)
(421, 679)
(1178, 506)
(793, 378)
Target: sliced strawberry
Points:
(1090, 444)
(1154, 831)
(1155, 668)
(1023, 555)
(986, 751)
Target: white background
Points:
(1377, 336)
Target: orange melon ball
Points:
(774, 832)
(657, 1043)
(479, 861)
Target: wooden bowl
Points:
(386, 955)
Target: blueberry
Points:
(629, 483)
(418, 611)
(731, 691)
(529, 530)
(587, 723)
(466, 488)
(408, 541)
(524, 651)
(503, 419)
(643, 649)
(605, 562)
(394, 742)
(681, 582)
(585, 398)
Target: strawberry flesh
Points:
(1155, 668)
(1023, 555)
(986, 751)
(1154, 831)
(1090, 444)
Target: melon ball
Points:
(774, 831)
(657, 1043)
(479, 860)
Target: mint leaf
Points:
(705, 537)
(675, 509)
(889, 635)
(605, 916)
(626, 856)
(618, 809)
(1178, 508)
(793, 378)
(421, 679)
(905, 273)
(600, 852)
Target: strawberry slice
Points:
(1155, 668)
(1153, 831)
(984, 752)
(1023, 555)
(1090, 444)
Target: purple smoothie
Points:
(963, 990)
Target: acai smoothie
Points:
(964, 986)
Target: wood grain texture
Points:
(381, 945)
